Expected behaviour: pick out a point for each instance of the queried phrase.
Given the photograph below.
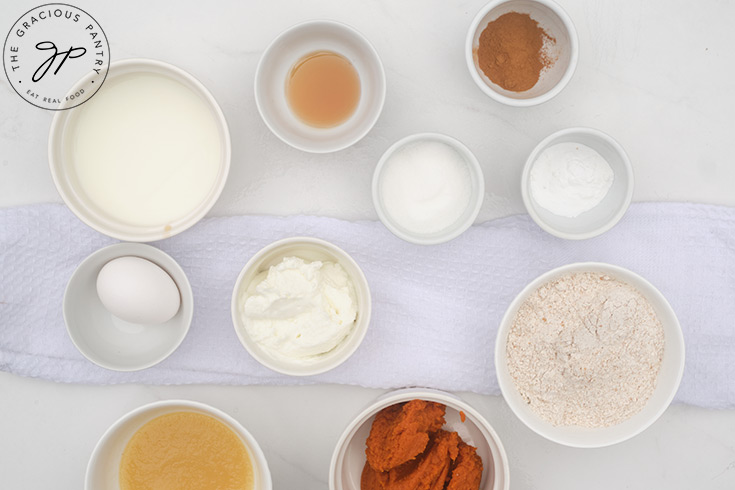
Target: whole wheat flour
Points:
(585, 350)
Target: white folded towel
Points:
(436, 309)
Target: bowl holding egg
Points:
(128, 306)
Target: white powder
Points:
(426, 186)
(585, 350)
(569, 179)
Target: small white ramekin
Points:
(555, 21)
(608, 212)
(288, 48)
(669, 376)
(309, 249)
(86, 210)
(110, 342)
(463, 223)
(103, 469)
(348, 458)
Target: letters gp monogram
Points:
(56, 56)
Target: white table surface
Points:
(656, 75)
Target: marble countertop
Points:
(655, 75)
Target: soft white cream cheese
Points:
(298, 310)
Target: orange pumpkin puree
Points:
(185, 451)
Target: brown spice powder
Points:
(511, 51)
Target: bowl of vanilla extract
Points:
(320, 86)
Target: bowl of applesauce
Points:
(172, 444)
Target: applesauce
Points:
(185, 451)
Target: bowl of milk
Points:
(146, 157)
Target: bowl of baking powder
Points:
(589, 355)
(577, 183)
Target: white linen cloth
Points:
(436, 309)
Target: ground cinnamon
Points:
(511, 51)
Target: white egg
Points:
(138, 291)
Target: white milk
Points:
(145, 149)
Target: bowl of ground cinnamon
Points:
(521, 52)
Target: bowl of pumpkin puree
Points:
(177, 445)
(418, 438)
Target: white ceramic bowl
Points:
(608, 212)
(103, 469)
(84, 208)
(669, 376)
(348, 458)
(309, 249)
(288, 48)
(464, 221)
(113, 343)
(556, 22)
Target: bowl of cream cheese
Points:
(301, 306)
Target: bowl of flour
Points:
(589, 355)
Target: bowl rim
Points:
(250, 442)
(533, 156)
(502, 468)
(382, 89)
(477, 176)
(144, 65)
(532, 101)
(500, 363)
(359, 329)
(146, 252)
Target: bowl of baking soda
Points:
(428, 188)
(577, 183)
